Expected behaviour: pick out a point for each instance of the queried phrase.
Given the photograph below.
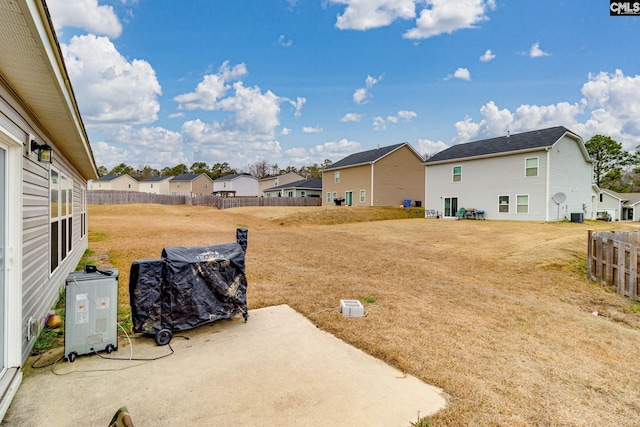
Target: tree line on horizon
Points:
(260, 169)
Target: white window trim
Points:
(336, 177)
(508, 204)
(363, 196)
(453, 173)
(528, 204)
(537, 167)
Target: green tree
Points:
(102, 171)
(221, 169)
(122, 169)
(175, 171)
(610, 160)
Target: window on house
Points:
(83, 212)
(178, 184)
(334, 195)
(60, 217)
(129, 185)
(503, 204)
(152, 185)
(336, 177)
(303, 193)
(601, 198)
(457, 173)
(289, 193)
(531, 166)
(522, 203)
(329, 197)
(363, 196)
(206, 185)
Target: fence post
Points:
(589, 254)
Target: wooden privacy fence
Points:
(113, 197)
(613, 260)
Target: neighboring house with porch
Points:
(236, 185)
(274, 181)
(114, 182)
(310, 187)
(385, 176)
(514, 177)
(45, 162)
(618, 206)
(191, 184)
(155, 185)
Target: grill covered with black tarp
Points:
(188, 287)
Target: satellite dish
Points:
(557, 199)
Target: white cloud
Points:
(211, 88)
(109, 88)
(427, 147)
(460, 73)
(176, 115)
(332, 150)
(380, 123)
(309, 129)
(282, 41)
(445, 16)
(367, 14)
(85, 14)
(297, 104)
(352, 117)
(285, 131)
(487, 56)
(407, 115)
(536, 52)
(610, 106)
(362, 95)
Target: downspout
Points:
(547, 189)
(371, 197)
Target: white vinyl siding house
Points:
(515, 178)
(238, 185)
(43, 215)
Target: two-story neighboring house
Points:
(114, 182)
(191, 184)
(385, 176)
(45, 162)
(274, 181)
(542, 175)
(155, 185)
(236, 185)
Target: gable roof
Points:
(113, 177)
(267, 178)
(234, 176)
(520, 142)
(629, 199)
(367, 157)
(156, 178)
(304, 184)
(188, 176)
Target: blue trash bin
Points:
(407, 203)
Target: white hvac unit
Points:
(91, 316)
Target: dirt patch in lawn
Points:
(498, 314)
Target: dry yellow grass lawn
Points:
(498, 314)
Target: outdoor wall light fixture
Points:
(45, 152)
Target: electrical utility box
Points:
(91, 317)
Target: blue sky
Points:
(295, 82)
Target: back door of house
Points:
(348, 198)
(450, 206)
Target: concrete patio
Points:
(277, 369)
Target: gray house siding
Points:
(40, 287)
(484, 181)
(571, 177)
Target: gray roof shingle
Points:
(503, 144)
(364, 157)
(305, 184)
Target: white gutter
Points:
(547, 189)
(371, 197)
